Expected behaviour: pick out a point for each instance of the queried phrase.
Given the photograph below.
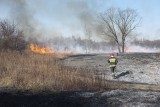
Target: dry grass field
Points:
(37, 72)
(43, 80)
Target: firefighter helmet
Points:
(111, 54)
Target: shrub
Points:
(11, 37)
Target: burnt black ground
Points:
(63, 99)
(43, 99)
(112, 98)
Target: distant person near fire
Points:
(112, 64)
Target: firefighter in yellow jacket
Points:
(112, 64)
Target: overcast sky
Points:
(67, 17)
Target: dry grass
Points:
(45, 72)
(41, 72)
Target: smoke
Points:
(53, 18)
(40, 19)
(87, 16)
(138, 48)
(83, 12)
(20, 13)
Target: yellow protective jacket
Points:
(112, 62)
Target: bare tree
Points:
(6, 29)
(119, 24)
(11, 37)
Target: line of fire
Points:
(40, 49)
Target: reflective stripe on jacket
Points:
(112, 61)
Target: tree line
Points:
(147, 43)
(77, 44)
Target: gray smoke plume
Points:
(47, 18)
(87, 16)
(21, 14)
(63, 11)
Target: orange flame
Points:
(41, 50)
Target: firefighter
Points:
(112, 64)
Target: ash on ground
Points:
(133, 67)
